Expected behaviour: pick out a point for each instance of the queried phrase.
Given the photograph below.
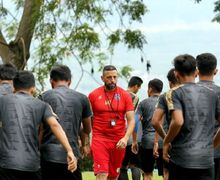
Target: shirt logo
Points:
(100, 97)
(117, 97)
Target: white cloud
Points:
(181, 26)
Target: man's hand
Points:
(166, 150)
(122, 143)
(86, 151)
(72, 161)
(134, 147)
(155, 150)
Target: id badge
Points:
(113, 122)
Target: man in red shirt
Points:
(111, 105)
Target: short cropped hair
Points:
(156, 85)
(171, 76)
(185, 64)
(23, 80)
(109, 68)
(206, 63)
(7, 71)
(60, 72)
(135, 80)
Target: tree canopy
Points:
(49, 31)
(82, 29)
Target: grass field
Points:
(90, 176)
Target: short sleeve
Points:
(173, 100)
(140, 109)
(217, 111)
(48, 112)
(161, 104)
(128, 102)
(86, 108)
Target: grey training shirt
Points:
(145, 110)
(71, 107)
(21, 116)
(193, 146)
(214, 87)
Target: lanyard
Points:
(109, 104)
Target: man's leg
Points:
(124, 168)
(136, 173)
(102, 176)
(147, 163)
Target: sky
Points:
(171, 28)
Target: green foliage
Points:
(217, 10)
(78, 29)
(125, 72)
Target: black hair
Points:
(171, 76)
(60, 72)
(7, 71)
(135, 80)
(23, 80)
(185, 64)
(206, 63)
(109, 68)
(156, 85)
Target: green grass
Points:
(90, 176)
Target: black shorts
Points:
(57, 171)
(131, 158)
(180, 173)
(217, 168)
(10, 174)
(148, 161)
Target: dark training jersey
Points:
(162, 104)
(21, 115)
(211, 85)
(193, 146)
(71, 107)
(145, 110)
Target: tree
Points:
(62, 28)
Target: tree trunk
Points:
(18, 51)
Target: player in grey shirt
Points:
(21, 115)
(194, 109)
(161, 119)
(72, 109)
(145, 110)
(7, 73)
(206, 64)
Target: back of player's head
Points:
(156, 85)
(23, 80)
(60, 73)
(185, 64)
(206, 63)
(135, 80)
(171, 76)
(7, 71)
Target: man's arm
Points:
(175, 126)
(61, 136)
(122, 143)
(84, 135)
(157, 122)
(217, 136)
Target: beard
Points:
(110, 87)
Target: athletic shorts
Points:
(107, 159)
(217, 168)
(57, 171)
(180, 173)
(131, 158)
(10, 174)
(148, 161)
